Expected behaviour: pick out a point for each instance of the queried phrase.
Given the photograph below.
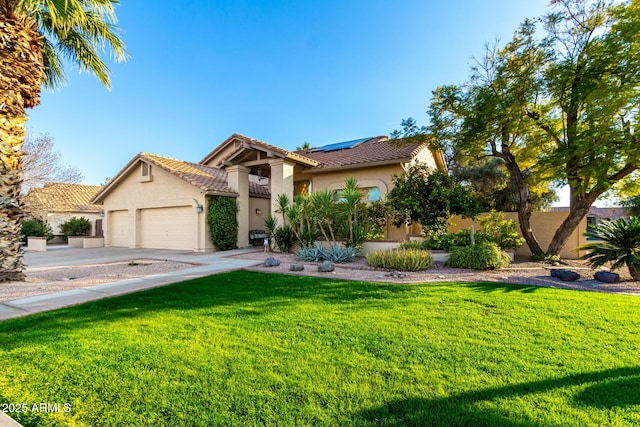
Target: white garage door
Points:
(168, 228)
(118, 228)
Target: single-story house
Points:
(158, 202)
(57, 202)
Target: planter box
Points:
(75, 241)
(379, 245)
(37, 244)
(92, 242)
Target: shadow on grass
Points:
(614, 388)
(488, 287)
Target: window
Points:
(371, 194)
(145, 169)
(301, 188)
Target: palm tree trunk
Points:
(634, 271)
(21, 73)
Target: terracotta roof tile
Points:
(373, 150)
(62, 197)
(206, 178)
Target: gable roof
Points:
(206, 178)
(256, 144)
(361, 152)
(63, 197)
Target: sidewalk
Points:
(210, 263)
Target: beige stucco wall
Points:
(256, 221)
(380, 177)
(56, 219)
(163, 190)
(544, 226)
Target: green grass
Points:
(247, 348)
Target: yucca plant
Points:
(618, 243)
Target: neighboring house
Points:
(597, 215)
(57, 202)
(157, 202)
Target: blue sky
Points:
(284, 72)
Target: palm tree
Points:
(618, 243)
(35, 37)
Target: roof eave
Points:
(359, 165)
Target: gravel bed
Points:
(522, 272)
(44, 281)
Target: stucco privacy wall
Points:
(544, 226)
(55, 220)
(124, 204)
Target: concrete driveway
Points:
(63, 256)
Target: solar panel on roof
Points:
(340, 145)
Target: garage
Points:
(119, 228)
(168, 228)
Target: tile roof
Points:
(62, 197)
(206, 178)
(373, 150)
(294, 155)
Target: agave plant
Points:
(618, 243)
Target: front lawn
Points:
(247, 348)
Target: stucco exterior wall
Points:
(544, 226)
(56, 219)
(256, 221)
(371, 177)
(163, 190)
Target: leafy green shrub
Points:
(619, 244)
(223, 222)
(35, 228)
(411, 244)
(374, 220)
(76, 227)
(284, 237)
(501, 231)
(336, 253)
(545, 257)
(400, 259)
(448, 242)
(481, 256)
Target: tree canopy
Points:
(557, 105)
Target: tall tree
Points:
(591, 87)
(35, 37)
(560, 109)
(42, 164)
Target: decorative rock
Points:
(325, 267)
(568, 276)
(556, 271)
(607, 276)
(271, 262)
(397, 275)
(296, 267)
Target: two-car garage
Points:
(158, 228)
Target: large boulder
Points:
(568, 275)
(296, 267)
(607, 276)
(325, 267)
(271, 262)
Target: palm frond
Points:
(81, 31)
